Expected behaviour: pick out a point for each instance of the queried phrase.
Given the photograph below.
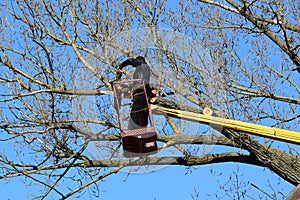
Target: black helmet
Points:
(140, 59)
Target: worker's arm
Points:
(127, 62)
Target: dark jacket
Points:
(142, 70)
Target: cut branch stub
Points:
(207, 111)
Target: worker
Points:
(142, 70)
(139, 113)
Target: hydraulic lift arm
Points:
(254, 129)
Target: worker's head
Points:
(140, 59)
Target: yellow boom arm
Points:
(254, 129)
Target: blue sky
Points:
(170, 182)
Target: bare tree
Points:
(58, 60)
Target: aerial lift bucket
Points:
(135, 118)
